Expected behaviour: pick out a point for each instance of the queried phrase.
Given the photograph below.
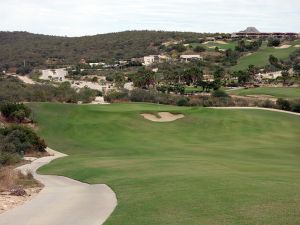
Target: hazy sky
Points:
(88, 17)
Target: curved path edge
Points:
(261, 108)
(62, 201)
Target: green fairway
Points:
(210, 46)
(261, 57)
(278, 92)
(189, 89)
(222, 167)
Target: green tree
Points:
(285, 75)
(144, 78)
(199, 49)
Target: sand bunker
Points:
(222, 42)
(297, 46)
(283, 46)
(163, 117)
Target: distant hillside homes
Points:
(54, 74)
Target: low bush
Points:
(14, 181)
(220, 94)
(15, 111)
(295, 106)
(115, 96)
(13, 90)
(183, 102)
(283, 104)
(17, 140)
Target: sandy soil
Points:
(297, 46)
(25, 79)
(8, 201)
(163, 117)
(283, 46)
(221, 42)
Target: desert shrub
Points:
(8, 158)
(114, 95)
(14, 181)
(273, 42)
(220, 94)
(13, 90)
(283, 104)
(87, 95)
(199, 49)
(268, 104)
(15, 111)
(141, 95)
(295, 105)
(18, 139)
(196, 102)
(183, 102)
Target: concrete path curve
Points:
(63, 201)
(261, 108)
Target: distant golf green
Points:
(278, 92)
(211, 45)
(261, 57)
(211, 167)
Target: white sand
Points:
(221, 42)
(283, 46)
(164, 117)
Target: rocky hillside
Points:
(36, 49)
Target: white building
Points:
(189, 58)
(149, 60)
(97, 64)
(270, 75)
(54, 74)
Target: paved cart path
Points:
(63, 201)
(267, 109)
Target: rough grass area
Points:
(261, 57)
(278, 92)
(211, 167)
(10, 179)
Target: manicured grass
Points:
(211, 167)
(289, 93)
(261, 57)
(189, 89)
(228, 45)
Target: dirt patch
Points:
(162, 117)
(297, 46)
(283, 46)
(16, 188)
(8, 201)
(263, 97)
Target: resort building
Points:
(54, 74)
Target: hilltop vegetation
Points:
(36, 49)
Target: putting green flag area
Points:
(208, 167)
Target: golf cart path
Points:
(261, 108)
(63, 201)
